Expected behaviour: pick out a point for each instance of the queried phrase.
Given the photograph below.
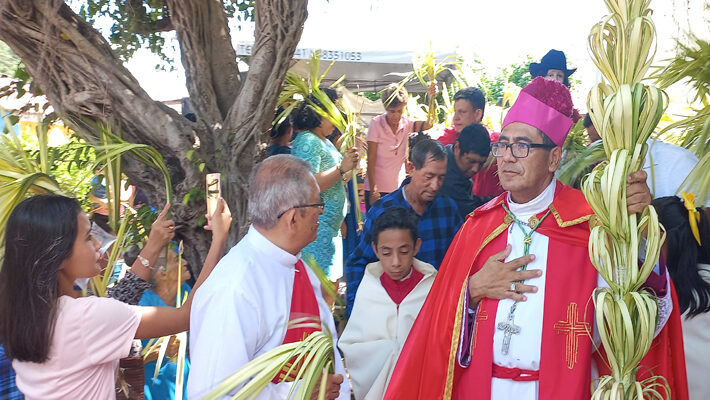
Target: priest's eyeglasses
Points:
(320, 204)
(519, 149)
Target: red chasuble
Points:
(428, 367)
(303, 305)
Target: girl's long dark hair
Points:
(684, 254)
(39, 235)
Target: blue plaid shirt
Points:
(8, 389)
(437, 228)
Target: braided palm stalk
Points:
(625, 112)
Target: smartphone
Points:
(213, 190)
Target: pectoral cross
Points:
(509, 328)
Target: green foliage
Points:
(494, 84)
(372, 96)
(692, 65)
(69, 164)
(8, 60)
(139, 224)
(141, 24)
(23, 174)
(493, 87)
(520, 73)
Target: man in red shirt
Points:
(469, 106)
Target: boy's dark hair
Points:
(424, 149)
(474, 139)
(474, 96)
(587, 121)
(395, 218)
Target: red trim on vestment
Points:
(398, 290)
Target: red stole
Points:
(398, 290)
(303, 305)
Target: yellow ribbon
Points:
(693, 214)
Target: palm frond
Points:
(325, 282)
(579, 162)
(692, 64)
(425, 69)
(315, 355)
(20, 175)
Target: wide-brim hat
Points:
(554, 59)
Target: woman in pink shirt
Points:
(388, 141)
(64, 346)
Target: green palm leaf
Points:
(316, 351)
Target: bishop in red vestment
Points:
(510, 313)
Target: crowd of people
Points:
(470, 278)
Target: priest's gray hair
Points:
(278, 184)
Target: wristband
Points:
(340, 169)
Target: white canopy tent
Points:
(364, 70)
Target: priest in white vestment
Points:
(242, 310)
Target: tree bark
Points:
(279, 24)
(86, 83)
(208, 56)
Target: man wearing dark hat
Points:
(552, 66)
(509, 316)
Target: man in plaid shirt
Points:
(439, 217)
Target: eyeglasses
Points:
(519, 149)
(320, 205)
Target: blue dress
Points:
(322, 155)
(163, 387)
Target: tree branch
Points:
(142, 24)
(279, 24)
(208, 56)
(85, 82)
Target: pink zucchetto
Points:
(547, 105)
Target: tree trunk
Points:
(85, 82)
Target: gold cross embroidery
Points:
(573, 328)
(480, 316)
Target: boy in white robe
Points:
(388, 301)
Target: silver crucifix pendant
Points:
(509, 329)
